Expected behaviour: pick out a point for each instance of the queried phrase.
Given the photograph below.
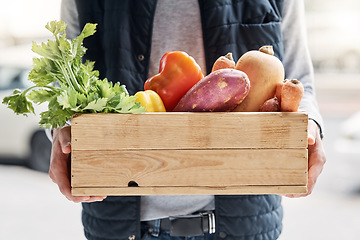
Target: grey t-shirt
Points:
(177, 26)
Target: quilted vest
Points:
(121, 48)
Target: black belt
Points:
(188, 225)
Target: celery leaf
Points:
(68, 84)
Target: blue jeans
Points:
(156, 234)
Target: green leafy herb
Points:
(67, 84)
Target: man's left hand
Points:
(316, 158)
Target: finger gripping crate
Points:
(189, 153)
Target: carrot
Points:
(291, 95)
(222, 62)
(271, 105)
(279, 90)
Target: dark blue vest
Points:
(121, 48)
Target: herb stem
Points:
(73, 78)
(65, 75)
(32, 87)
(67, 70)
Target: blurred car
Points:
(333, 38)
(22, 141)
(349, 140)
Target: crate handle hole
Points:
(133, 184)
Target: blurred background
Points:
(31, 207)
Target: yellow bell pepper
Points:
(150, 100)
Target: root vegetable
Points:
(279, 90)
(222, 62)
(271, 105)
(291, 95)
(265, 71)
(220, 91)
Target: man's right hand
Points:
(59, 170)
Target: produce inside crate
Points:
(189, 153)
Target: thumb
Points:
(313, 130)
(66, 147)
(311, 139)
(65, 139)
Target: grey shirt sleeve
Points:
(69, 14)
(297, 60)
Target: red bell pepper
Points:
(178, 72)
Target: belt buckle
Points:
(208, 222)
(192, 225)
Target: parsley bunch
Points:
(67, 84)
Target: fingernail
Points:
(66, 148)
(311, 140)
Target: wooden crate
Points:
(189, 153)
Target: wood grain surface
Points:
(189, 153)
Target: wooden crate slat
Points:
(189, 131)
(220, 167)
(234, 190)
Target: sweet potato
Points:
(222, 62)
(265, 71)
(271, 105)
(220, 91)
(291, 95)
